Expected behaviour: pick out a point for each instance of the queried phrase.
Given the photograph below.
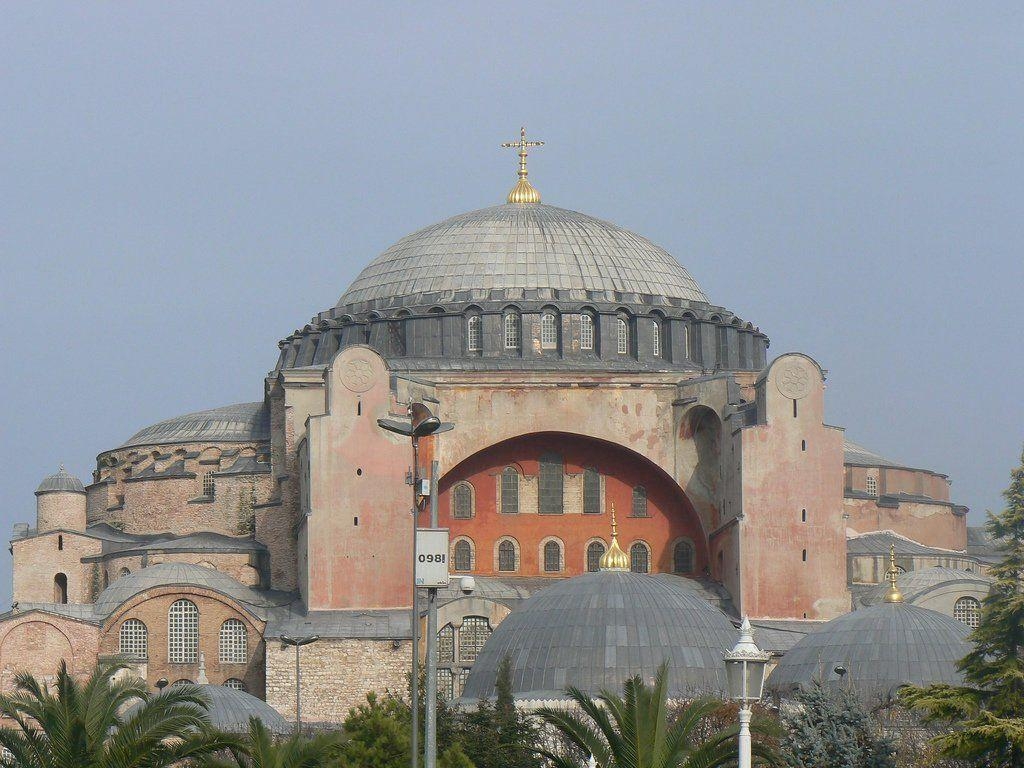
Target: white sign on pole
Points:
(431, 557)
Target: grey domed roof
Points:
(596, 630)
(526, 247)
(243, 422)
(230, 711)
(882, 648)
(915, 584)
(60, 481)
(184, 574)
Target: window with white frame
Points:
(871, 485)
(234, 684)
(509, 490)
(474, 333)
(656, 338)
(622, 340)
(595, 551)
(134, 640)
(639, 558)
(183, 632)
(552, 557)
(548, 331)
(233, 646)
(967, 610)
(586, 331)
(513, 334)
(472, 635)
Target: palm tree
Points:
(260, 751)
(94, 725)
(634, 730)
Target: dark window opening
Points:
(595, 550)
(794, 409)
(803, 515)
(639, 559)
(552, 557)
(463, 556)
(549, 485)
(60, 542)
(639, 501)
(682, 557)
(591, 491)
(462, 506)
(60, 589)
(803, 445)
(805, 555)
(506, 556)
(509, 490)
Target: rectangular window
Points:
(591, 491)
(871, 485)
(722, 338)
(209, 485)
(656, 338)
(549, 485)
(623, 337)
(509, 491)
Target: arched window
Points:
(446, 645)
(182, 681)
(462, 501)
(445, 684)
(656, 338)
(463, 555)
(134, 640)
(509, 490)
(595, 550)
(124, 572)
(396, 335)
(60, 588)
(967, 610)
(506, 556)
(183, 632)
(682, 557)
(552, 557)
(639, 501)
(233, 646)
(513, 334)
(549, 331)
(474, 333)
(234, 684)
(586, 331)
(472, 635)
(639, 558)
(622, 337)
(209, 485)
(549, 484)
(591, 491)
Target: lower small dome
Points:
(595, 631)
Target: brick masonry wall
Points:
(336, 675)
(36, 642)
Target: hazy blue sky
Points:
(181, 185)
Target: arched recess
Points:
(700, 448)
(670, 514)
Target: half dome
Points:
(522, 247)
(881, 648)
(595, 631)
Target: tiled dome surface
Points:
(61, 481)
(517, 246)
(242, 422)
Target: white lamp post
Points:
(744, 669)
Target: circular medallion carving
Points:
(794, 380)
(357, 374)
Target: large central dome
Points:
(527, 247)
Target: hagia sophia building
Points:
(584, 370)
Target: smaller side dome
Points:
(879, 649)
(60, 482)
(230, 711)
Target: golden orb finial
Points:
(893, 595)
(614, 559)
(523, 191)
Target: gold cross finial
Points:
(614, 559)
(523, 191)
(893, 595)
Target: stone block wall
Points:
(39, 559)
(336, 675)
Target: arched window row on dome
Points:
(234, 647)
(968, 611)
(133, 640)
(457, 649)
(183, 632)
(637, 332)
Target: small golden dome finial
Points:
(893, 595)
(614, 559)
(523, 191)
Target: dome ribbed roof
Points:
(596, 630)
(243, 422)
(519, 246)
(882, 648)
(60, 481)
(229, 710)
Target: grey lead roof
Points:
(517, 246)
(914, 584)
(595, 630)
(229, 711)
(242, 422)
(878, 543)
(61, 480)
(881, 647)
(859, 456)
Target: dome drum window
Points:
(656, 340)
(622, 336)
(587, 332)
(549, 330)
(474, 333)
(512, 324)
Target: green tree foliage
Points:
(377, 734)
(829, 728)
(79, 725)
(635, 731)
(260, 750)
(988, 710)
(498, 735)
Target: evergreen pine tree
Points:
(498, 735)
(988, 710)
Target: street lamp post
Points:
(421, 423)
(298, 642)
(745, 667)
